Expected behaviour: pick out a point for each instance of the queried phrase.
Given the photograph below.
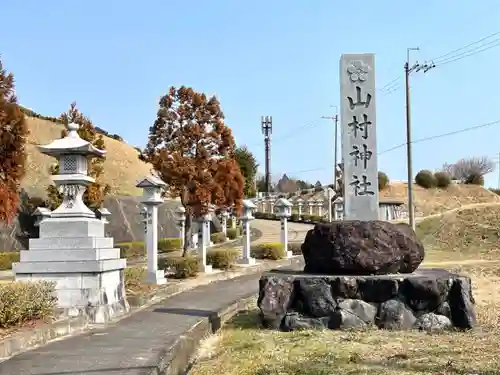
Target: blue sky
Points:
(279, 58)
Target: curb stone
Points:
(27, 339)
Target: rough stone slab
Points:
(74, 243)
(291, 300)
(69, 267)
(362, 248)
(73, 255)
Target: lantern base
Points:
(205, 268)
(156, 278)
(247, 261)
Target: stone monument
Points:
(72, 250)
(359, 136)
(246, 218)
(363, 272)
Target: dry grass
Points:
(243, 348)
(433, 201)
(463, 233)
(122, 167)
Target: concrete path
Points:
(134, 345)
(271, 231)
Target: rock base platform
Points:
(427, 299)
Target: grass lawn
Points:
(243, 348)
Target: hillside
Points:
(122, 168)
(433, 201)
(463, 230)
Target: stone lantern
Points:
(248, 210)
(152, 189)
(338, 205)
(284, 208)
(73, 251)
(180, 217)
(319, 204)
(310, 205)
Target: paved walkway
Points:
(135, 344)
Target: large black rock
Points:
(362, 248)
(428, 299)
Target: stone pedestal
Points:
(428, 299)
(72, 250)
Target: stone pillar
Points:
(202, 244)
(310, 205)
(320, 209)
(246, 257)
(284, 236)
(299, 208)
(224, 215)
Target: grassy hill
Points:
(434, 201)
(122, 167)
(475, 229)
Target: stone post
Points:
(224, 214)
(151, 198)
(310, 206)
(329, 195)
(320, 207)
(72, 250)
(204, 220)
(248, 208)
(180, 214)
(300, 203)
(284, 208)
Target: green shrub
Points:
(21, 302)
(6, 260)
(183, 267)
(383, 181)
(218, 237)
(443, 179)
(166, 245)
(306, 217)
(269, 250)
(223, 258)
(295, 248)
(132, 250)
(134, 276)
(294, 217)
(232, 233)
(425, 179)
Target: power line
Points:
(430, 138)
(450, 57)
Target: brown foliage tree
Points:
(192, 150)
(97, 191)
(13, 136)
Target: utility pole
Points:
(415, 68)
(267, 129)
(335, 141)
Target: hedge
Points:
(131, 249)
(21, 302)
(268, 250)
(6, 260)
(183, 267)
(166, 245)
(219, 237)
(222, 258)
(233, 233)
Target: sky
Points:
(276, 58)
